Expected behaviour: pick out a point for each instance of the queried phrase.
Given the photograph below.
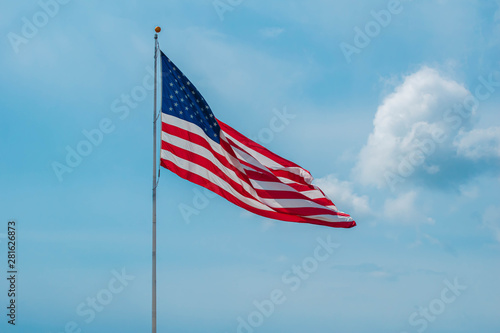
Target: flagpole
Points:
(155, 183)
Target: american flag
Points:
(202, 149)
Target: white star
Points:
(177, 91)
(171, 97)
(182, 99)
(171, 84)
(180, 112)
(187, 108)
(176, 104)
(189, 83)
(171, 109)
(191, 116)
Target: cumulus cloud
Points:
(479, 144)
(418, 130)
(342, 194)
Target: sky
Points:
(391, 105)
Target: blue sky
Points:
(393, 108)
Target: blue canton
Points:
(181, 99)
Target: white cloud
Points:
(401, 208)
(414, 128)
(271, 32)
(470, 192)
(479, 143)
(343, 196)
(431, 169)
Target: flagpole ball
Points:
(157, 29)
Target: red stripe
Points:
(262, 176)
(201, 141)
(194, 178)
(255, 146)
(290, 175)
(293, 214)
(277, 172)
(197, 139)
(209, 165)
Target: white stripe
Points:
(275, 186)
(203, 152)
(188, 126)
(272, 164)
(271, 186)
(248, 159)
(313, 194)
(212, 178)
(287, 181)
(301, 173)
(257, 202)
(254, 162)
(331, 218)
(293, 203)
(264, 160)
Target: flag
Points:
(202, 149)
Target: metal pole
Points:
(154, 192)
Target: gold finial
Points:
(157, 29)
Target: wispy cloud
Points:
(491, 220)
(479, 144)
(376, 271)
(271, 32)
